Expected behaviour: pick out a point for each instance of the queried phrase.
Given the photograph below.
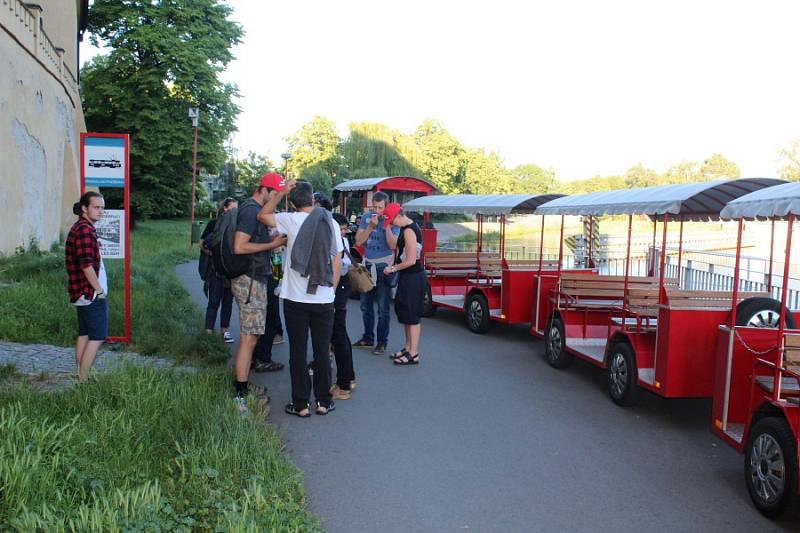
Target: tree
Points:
(315, 144)
(791, 156)
(641, 176)
(166, 56)
(484, 174)
(247, 172)
(717, 166)
(440, 156)
(533, 179)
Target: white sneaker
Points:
(278, 339)
(227, 337)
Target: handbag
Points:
(359, 276)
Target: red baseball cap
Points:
(390, 212)
(273, 180)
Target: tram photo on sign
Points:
(104, 162)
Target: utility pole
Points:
(194, 114)
(286, 157)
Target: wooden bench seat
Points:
(682, 299)
(791, 352)
(531, 264)
(462, 263)
(589, 290)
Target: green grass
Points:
(143, 450)
(34, 306)
(7, 372)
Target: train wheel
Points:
(555, 345)
(770, 467)
(621, 370)
(476, 311)
(761, 313)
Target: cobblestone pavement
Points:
(60, 361)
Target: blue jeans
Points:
(382, 293)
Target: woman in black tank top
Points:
(410, 285)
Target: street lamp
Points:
(194, 114)
(286, 157)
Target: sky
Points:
(583, 87)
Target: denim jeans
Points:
(381, 294)
(218, 294)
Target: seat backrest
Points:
(683, 299)
(531, 264)
(791, 352)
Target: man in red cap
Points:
(250, 290)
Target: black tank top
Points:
(401, 246)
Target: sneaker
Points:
(278, 339)
(362, 343)
(227, 337)
(380, 349)
(340, 394)
(241, 405)
(353, 385)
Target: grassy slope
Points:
(143, 450)
(34, 306)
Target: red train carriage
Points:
(647, 332)
(756, 407)
(485, 285)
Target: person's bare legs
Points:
(407, 332)
(80, 345)
(87, 359)
(414, 332)
(244, 355)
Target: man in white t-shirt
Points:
(306, 309)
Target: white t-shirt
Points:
(293, 285)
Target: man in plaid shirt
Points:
(87, 282)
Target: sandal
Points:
(291, 410)
(323, 410)
(272, 366)
(407, 359)
(397, 355)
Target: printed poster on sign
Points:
(111, 234)
(104, 161)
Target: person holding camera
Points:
(379, 241)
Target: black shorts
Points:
(93, 320)
(409, 298)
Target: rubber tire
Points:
(563, 359)
(428, 309)
(747, 309)
(631, 394)
(780, 431)
(485, 322)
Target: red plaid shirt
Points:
(81, 250)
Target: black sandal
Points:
(291, 410)
(398, 355)
(407, 359)
(323, 410)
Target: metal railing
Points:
(695, 274)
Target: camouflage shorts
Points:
(252, 313)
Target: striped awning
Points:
(773, 202)
(483, 204)
(684, 201)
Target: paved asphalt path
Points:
(484, 436)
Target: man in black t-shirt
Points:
(250, 290)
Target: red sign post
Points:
(104, 163)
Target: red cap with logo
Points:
(390, 212)
(273, 180)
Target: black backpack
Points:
(226, 263)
